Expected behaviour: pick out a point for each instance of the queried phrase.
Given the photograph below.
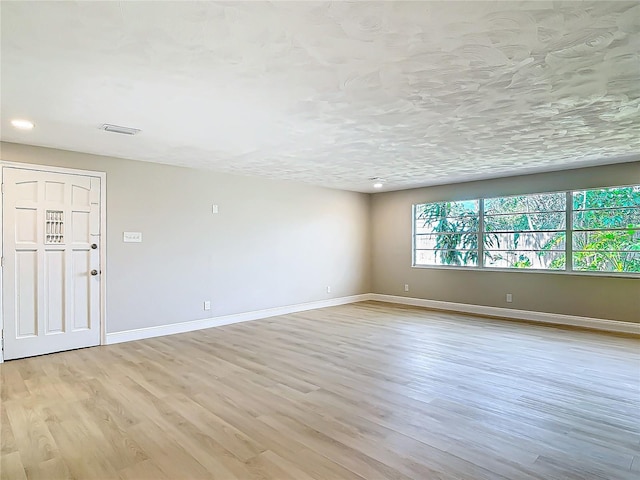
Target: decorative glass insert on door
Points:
(54, 227)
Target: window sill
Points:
(530, 270)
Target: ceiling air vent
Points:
(107, 127)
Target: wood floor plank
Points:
(11, 466)
(168, 455)
(278, 467)
(51, 469)
(355, 392)
(33, 439)
(145, 470)
(7, 439)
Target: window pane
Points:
(426, 242)
(607, 198)
(467, 258)
(607, 261)
(522, 222)
(548, 260)
(447, 241)
(467, 208)
(524, 241)
(607, 240)
(542, 202)
(447, 224)
(609, 218)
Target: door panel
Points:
(80, 196)
(51, 302)
(81, 285)
(54, 192)
(26, 192)
(80, 227)
(54, 291)
(26, 226)
(26, 293)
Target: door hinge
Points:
(2, 188)
(1, 262)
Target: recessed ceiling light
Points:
(22, 124)
(377, 182)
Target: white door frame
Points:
(103, 234)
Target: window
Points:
(531, 231)
(606, 230)
(526, 231)
(446, 233)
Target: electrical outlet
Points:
(207, 305)
(328, 289)
(509, 298)
(406, 287)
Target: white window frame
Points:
(571, 211)
(569, 231)
(414, 248)
(483, 233)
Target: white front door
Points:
(51, 273)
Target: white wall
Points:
(272, 244)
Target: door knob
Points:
(94, 272)
(94, 246)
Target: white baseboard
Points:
(542, 317)
(183, 327)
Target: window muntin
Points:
(530, 231)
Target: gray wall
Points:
(590, 296)
(272, 244)
(279, 243)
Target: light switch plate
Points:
(132, 237)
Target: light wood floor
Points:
(364, 391)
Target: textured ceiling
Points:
(333, 94)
